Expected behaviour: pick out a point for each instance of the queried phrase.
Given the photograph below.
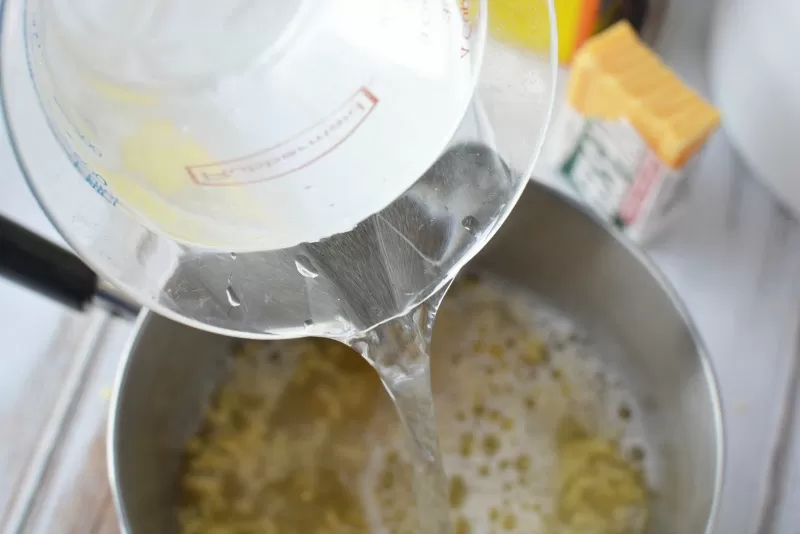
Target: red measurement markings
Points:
(291, 155)
(646, 177)
(447, 13)
(463, 13)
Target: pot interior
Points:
(547, 248)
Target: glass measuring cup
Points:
(254, 126)
(330, 240)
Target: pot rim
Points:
(142, 319)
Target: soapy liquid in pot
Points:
(534, 434)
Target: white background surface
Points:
(735, 260)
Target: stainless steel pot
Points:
(549, 246)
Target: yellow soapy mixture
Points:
(302, 438)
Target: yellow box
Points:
(616, 76)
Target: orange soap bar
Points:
(615, 76)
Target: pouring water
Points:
(400, 352)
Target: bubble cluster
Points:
(537, 434)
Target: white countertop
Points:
(734, 259)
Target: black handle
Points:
(39, 264)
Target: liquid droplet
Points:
(233, 255)
(308, 323)
(304, 267)
(470, 224)
(233, 298)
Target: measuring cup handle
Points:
(40, 265)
